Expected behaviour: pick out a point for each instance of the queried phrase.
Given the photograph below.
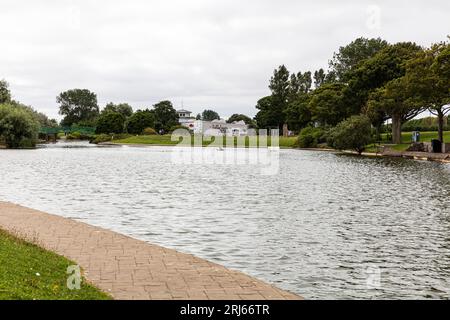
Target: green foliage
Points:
(210, 115)
(75, 135)
(123, 108)
(18, 127)
(140, 120)
(78, 105)
(350, 56)
(165, 116)
(352, 134)
(310, 137)
(102, 138)
(149, 132)
(298, 113)
(31, 273)
(5, 94)
(111, 122)
(242, 117)
(327, 104)
(424, 124)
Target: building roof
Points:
(183, 111)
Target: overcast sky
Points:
(216, 54)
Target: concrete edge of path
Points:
(131, 269)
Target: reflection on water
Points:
(316, 228)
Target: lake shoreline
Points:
(418, 156)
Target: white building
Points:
(213, 128)
(185, 118)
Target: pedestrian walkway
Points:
(131, 269)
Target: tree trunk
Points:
(396, 129)
(441, 126)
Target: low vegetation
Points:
(30, 273)
(284, 142)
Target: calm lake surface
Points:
(327, 226)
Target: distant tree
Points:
(18, 127)
(123, 108)
(110, 122)
(77, 105)
(140, 120)
(351, 55)
(352, 134)
(300, 83)
(5, 94)
(271, 109)
(165, 115)
(210, 115)
(241, 117)
(327, 104)
(298, 114)
(198, 117)
(319, 78)
(269, 115)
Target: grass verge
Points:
(28, 272)
(163, 140)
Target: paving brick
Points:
(130, 269)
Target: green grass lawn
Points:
(28, 272)
(407, 139)
(166, 140)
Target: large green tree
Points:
(386, 65)
(5, 94)
(123, 108)
(271, 110)
(428, 76)
(352, 55)
(327, 104)
(111, 122)
(78, 106)
(298, 114)
(397, 100)
(140, 120)
(165, 116)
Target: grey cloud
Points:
(210, 54)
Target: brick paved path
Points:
(131, 269)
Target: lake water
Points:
(326, 226)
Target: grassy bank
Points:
(28, 272)
(166, 140)
(407, 139)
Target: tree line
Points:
(368, 77)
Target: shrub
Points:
(17, 127)
(353, 134)
(149, 132)
(173, 128)
(101, 138)
(79, 136)
(110, 122)
(310, 137)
